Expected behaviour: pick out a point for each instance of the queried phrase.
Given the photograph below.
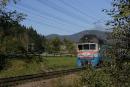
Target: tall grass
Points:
(18, 67)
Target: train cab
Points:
(88, 53)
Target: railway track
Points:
(13, 81)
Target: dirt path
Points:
(48, 82)
(44, 83)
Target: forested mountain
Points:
(18, 38)
(76, 37)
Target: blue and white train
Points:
(88, 53)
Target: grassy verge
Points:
(56, 63)
(18, 67)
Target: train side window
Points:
(80, 47)
(86, 47)
(92, 46)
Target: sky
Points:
(64, 17)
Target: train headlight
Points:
(95, 55)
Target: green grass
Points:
(19, 67)
(56, 63)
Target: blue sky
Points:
(62, 17)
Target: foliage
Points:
(56, 44)
(69, 46)
(96, 78)
(19, 66)
(120, 26)
(107, 76)
(16, 38)
(4, 3)
(120, 36)
(3, 61)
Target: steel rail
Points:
(12, 81)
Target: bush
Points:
(3, 61)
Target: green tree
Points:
(69, 46)
(56, 44)
(120, 36)
(4, 3)
(15, 37)
(48, 46)
(7, 19)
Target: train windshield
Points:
(80, 47)
(87, 46)
(92, 46)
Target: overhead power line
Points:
(76, 9)
(49, 25)
(52, 16)
(36, 14)
(63, 11)
(43, 23)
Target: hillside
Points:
(19, 38)
(75, 37)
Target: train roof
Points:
(86, 43)
(90, 39)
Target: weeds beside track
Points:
(11, 81)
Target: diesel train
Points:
(88, 53)
(92, 50)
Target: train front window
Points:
(86, 47)
(80, 47)
(92, 46)
(89, 46)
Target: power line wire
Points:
(43, 23)
(37, 14)
(53, 16)
(62, 10)
(48, 25)
(76, 9)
